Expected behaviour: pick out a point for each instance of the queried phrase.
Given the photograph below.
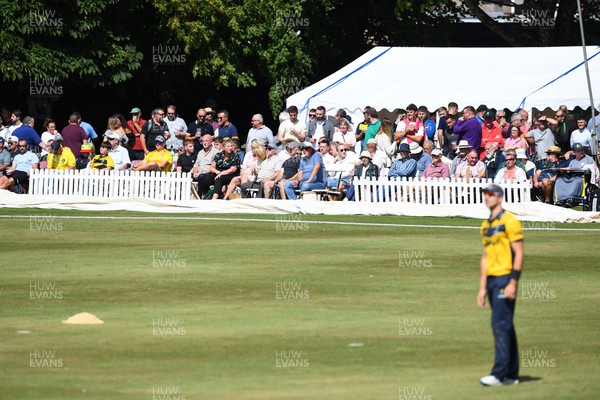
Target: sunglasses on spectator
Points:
(162, 115)
(21, 146)
(312, 115)
(342, 150)
(510, 159)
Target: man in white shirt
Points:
(582, 135)
(177, 128)
(118, 153)
(292, 128)
(259, 132)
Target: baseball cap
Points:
(489, 114)
(436, 152)
(493, 189)
(209, 110)
(293, 145)
(578, 147)
(1, 139)
(13, 139)
(271, 144)
(159, 139)
(135, 110)
(54, 147)
(307, 145)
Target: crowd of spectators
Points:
(321, 153)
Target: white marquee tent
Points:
(393, 77)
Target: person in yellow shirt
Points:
(103, 160)
(157, 160)
(60, 157)
(501, 265)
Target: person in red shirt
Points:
(135, 124)
(490, 132)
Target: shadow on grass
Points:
(527, 378)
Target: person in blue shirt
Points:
(405, 166)
(423, 159)
(311, 174)
(27, 133)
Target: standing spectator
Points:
(490, 131)
(480, 111)
(361, 129)
(469, 128)
(135, 124)
(502, 123)
(596, 121)
(87, 128)
(582, 135)
(48, 135)
(18, 173)
(561, 128)
(429, 125)
(4, 132)
(501, 265)
(226, 128)
(73, 135)
(152, 129)
(27, 133)
(15, 121)
(410, 129)
(210, 118)
(114, 126)
(449, 138)
(542, 138)
(6, 120)
(159, 159)
(320, 127)
(311, 173)
(177, 128)
(451, 112)
(198, 128)
(292, 128)
(259, 131)
(384, 141)
(492, 159)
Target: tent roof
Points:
(393, 77)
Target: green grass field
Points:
(282, 308)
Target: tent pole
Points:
(594, 148)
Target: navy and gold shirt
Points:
(497, 235)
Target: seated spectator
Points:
(118, 153)
(510, 173)
(405, 166)
(366, 169)
(472, 169)
(13, 147)
(236, 147)
(492, 158)
(341, 180)
(5, 158)
(570, 187)
(249, 168)
(324, 151)
(60, 157)
(490, 131)
(102, 160)
(18, 173)
(204, 158)
(345, 134)
(379, 158)
(515, 140)
(186, 161)
(437, 168)
(545, 174)
(286, 153)
(157, 160)
(267, 170)
(512, 152)
(423, 159)
(288, 170)
(461, 158)
(529, 166)
(225, 166)
(86, 155)
(310, 176)
(581, 135)
(218, 143)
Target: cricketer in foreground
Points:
(501, 265)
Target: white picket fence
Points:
(111, 184)
(434, 190)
